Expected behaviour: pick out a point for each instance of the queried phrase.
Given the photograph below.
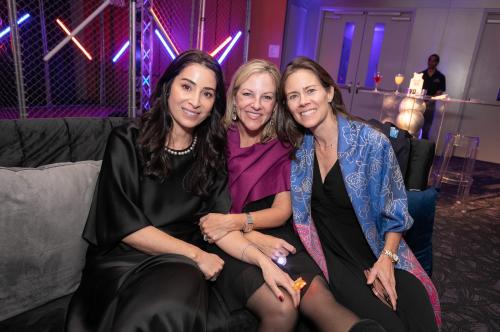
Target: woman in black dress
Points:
(146, 267)
(350, 206)
(259, 182)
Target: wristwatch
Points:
(394, 258)
(249, 223)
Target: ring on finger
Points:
(205, 237)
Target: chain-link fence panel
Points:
(86, 77)
(176, 18)
(181, 20)
(8, 92)
(224, 18)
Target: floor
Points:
(467, 254)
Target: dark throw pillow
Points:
(422, 207)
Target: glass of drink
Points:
(377, 78)
(398, 79)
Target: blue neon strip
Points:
(158, 34)
(378, 39)
(346, 52)
(19, 21)
(228, 49)
(121, 51)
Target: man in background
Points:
(435, 84)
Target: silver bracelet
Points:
(249, 223)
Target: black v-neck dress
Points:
(348, 253)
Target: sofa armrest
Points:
(419, 164)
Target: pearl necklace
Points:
(185, 151)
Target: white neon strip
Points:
(230, 47)
(158, 34)
(221, 46)
(77, 43)
(121, 51)
(19, 21)
(157, 21)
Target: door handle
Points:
(349, 86)
(357, 88)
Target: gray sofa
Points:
(48, 170)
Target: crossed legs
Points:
(318, 304)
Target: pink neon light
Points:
(164, 31)
(221, 46)
(77, 43)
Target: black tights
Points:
(273, 314)
(318, 304)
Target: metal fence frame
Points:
(135, 86)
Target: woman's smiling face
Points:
(307, 100)
(192, 97)
(255, 101)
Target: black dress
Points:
(348, 253)
(239, 280)
(123, 289)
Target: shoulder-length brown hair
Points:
(292, 131)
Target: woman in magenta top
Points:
(259, 183)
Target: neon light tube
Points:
(121, 51)
(157, 21)
(158, 34)
(221, 46)
(230, 47)
(77, 43)
(19, 22)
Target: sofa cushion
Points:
(87, 138)
(11, 151)
(44, 141)
(42, 214)
(422, 207)
(419, 165)
(37, 142)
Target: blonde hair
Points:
(256, 66)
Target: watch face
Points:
(396, 258)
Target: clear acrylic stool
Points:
(461, 151)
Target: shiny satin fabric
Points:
(160, 293)
(123, 289)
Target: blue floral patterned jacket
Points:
(375, 187)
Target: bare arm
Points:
(275, 216)
(153, 241)
(383, 269)
(216, 225)
(271, 246)
(235, 244)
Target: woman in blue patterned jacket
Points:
(350, 207)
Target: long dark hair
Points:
(156, 124)
(289, 130)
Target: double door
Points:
(354, 45)
(482, 119)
